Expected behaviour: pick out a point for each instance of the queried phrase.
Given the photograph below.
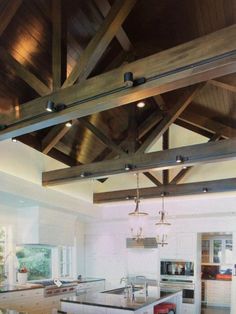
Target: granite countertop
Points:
(5, 311)
(89, 279)
(13, 288)
(119, 301)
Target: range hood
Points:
(146, 243)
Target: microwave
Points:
(177, 268)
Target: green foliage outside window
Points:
(2, 252)
(37, 260)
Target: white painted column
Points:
(233, 286)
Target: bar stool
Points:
(158, 309)
(170, 306)
(161, 311)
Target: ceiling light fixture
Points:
(128, 167)
(82, 175)
(128, 79)
(14, 140)
(141, 104)
(137, 218)
(179, 159)
(68, 124)
(51, 107)
(3, 127)
(205, 190)
(163, 227)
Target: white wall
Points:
(105, 246)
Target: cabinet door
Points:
(205, 251)
(170, 250)
(186, 246)
(229, 252)
(217, 251)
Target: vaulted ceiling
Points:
(48, 46)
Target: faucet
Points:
(125, 280)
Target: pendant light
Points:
(163, 227)
(137, 218)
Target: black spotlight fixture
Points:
(50, 106)
(179, 159)
(3, 127)
(128, 167)
(128, 79)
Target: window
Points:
(2, 252)
(37, 259)
(65, 261)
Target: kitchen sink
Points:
(120, 291)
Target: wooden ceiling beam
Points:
(160, 102)
(207, 124)
(224, 85)
(149, 123)
(101, 136)
(190, 155)
(193, 128)
(165, 145)
(170, 117)
(95, 49)
(59, 47)
(104, 7)
(54, 136)
(152, 178)
(8, 10)
(178, 67)
(216, 186)
(23, 73)
(183, 172)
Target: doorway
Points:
(216, 272)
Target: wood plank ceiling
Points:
(48, 44)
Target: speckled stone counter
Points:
(119, 301)
(89, 279)
(12, 288)
(5, 311)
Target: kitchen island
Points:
(7, 311)
(110, 303)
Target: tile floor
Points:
(215, 310)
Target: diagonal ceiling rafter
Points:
(190, 64)
(93, 52)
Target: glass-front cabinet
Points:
(206, 251)
(217, 250)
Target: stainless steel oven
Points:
(186, 287)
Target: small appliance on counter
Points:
(178, 275)
(177, 267)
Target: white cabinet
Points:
(218, 292)
(180, 246)
(92, 286)
(217, 250)
(187, 308)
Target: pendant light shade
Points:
(137, 219)
(162, 226)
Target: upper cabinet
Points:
(217, 250)
(180, 246)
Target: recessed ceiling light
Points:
(14, 140)
(205, 190)
(68, 124)
(141, 104)
(184, 167)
